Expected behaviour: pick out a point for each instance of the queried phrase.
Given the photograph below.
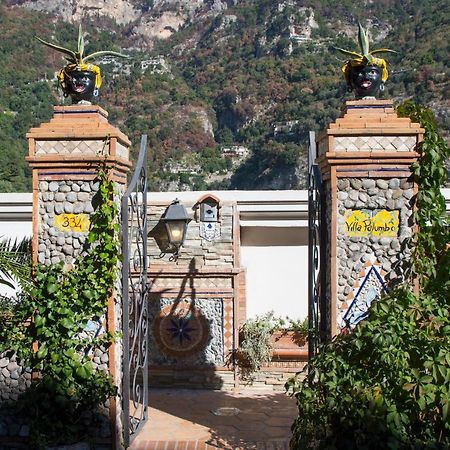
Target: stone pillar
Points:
(64, 155)
(365, 160)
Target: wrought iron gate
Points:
(317, 258)
(135, 290)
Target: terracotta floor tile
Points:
(278, 421)
(183, 420)
(279, 432)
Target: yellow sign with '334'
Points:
(72, 222)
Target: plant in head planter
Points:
(364, 72)
(80, 78)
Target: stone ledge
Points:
(84, 121)
(171, 271)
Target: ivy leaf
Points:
(39, 321)
(52, 288)
(42, 352)
(82, 372)
(66, 323)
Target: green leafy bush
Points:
(256, 340)
(387, 384)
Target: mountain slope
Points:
(209, 77)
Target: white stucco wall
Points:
(276, 262)
(15, 215)
(276, 280)
(15, 230)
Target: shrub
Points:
(256, 344)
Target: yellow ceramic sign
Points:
(365, 222)
(72, 222)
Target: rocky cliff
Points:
(207, 75)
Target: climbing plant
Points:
(431, 174)
(48, 331)
(387, 384)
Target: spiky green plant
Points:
(366, 57)
(77, 57)
(15, 262)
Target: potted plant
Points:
(364, 72)
(80, 78)
(290, 340)
(268, 337)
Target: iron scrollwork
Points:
(317, 258)
(135, 290)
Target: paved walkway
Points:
(183, 419)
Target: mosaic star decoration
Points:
(181, 329)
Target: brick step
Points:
(201, 445)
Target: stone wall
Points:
(64, 155)
(365, 156)
(56, 244)
(192, 337)
(195, 293)
(198, 342)
(326, 309)
(358, 251)
(193, 378)
(196, 252)
(274, 376)
(14, 378)
(56, 198)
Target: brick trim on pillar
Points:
(75, 139)
(370, 142)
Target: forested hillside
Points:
(208, 80)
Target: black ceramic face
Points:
(366, 80)
(80, 85)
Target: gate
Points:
(318, 307)
(135, 288)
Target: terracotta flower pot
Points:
(289, 345)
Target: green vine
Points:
(61, 304)
(386, 385)
(431, 174)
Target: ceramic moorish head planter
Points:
(80, 79)
(365, 73)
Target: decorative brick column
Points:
(64, 155)
(365, 160)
